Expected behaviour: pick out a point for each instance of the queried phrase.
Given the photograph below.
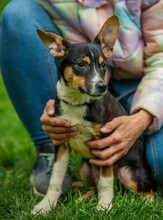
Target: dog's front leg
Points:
(55, 186)
(105, 188)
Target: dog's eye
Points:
(103, 65)
(81, 64)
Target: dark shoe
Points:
(42, 170)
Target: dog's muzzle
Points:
(98, 89)
(101, 87)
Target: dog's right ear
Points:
(54, 42)
(108, 35)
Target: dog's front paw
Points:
(44, 206)
(104, 205)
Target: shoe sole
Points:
(32, 182)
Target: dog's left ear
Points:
(108, 35)
(54, 42)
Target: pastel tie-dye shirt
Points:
(138, 52)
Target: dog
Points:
(83, 99)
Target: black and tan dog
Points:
(83, 99)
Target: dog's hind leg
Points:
(87, 181)
(86, 174)
(105, 188)
(137, 180)
(55, 186)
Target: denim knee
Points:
(154, 154)
(15, 15)
(20, 16)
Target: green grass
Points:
(16, 196)
(2, 4)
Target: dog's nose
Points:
(101, 86)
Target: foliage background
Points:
(2, 4)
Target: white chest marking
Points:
(85, 130)
(75, 115)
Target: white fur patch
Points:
(97, 76)
(105, 192)
(85, 130)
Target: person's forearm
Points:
(144, 118)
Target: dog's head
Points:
(83, 65)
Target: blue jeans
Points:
(30, 74)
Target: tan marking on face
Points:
(87, 59)
(100, 60)
(107, 171)
(68, 74)
(74, 80)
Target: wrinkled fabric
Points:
(138, 52)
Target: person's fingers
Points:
(54, 121)
(108, 152)
(58, 130)
(61, 135)
(59, 142)
(104, 142)
(112, 125)
(50, 107)
(110, 161)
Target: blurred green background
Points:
(2, 4)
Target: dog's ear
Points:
(54, 42)
(108, 35)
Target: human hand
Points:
(56, 128)
(125, 130)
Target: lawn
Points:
(16, 196)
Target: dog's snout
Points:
(101, 86)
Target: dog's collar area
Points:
(77, 105)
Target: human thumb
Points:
(50, 107)
(110, 126)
